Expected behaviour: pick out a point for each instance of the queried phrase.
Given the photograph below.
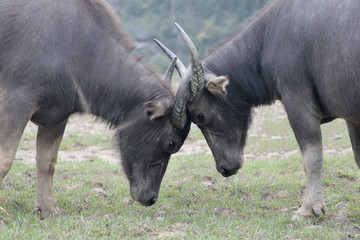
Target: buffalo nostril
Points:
(151, 201)
(225, 172)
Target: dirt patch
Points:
(175, 230)
(275, 195)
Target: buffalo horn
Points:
(181, 69)
(191, 86)
(170, 71)
(178, 116)
(197, 83)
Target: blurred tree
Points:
(206, 22)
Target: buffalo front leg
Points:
(354, 133)
(47, 144)
(306, 127)
(9, 140)
(14, 115)
(313, 203)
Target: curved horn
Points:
(179, 65)
(170, 71)
(194, 57)
(197, 83)
(191, 86)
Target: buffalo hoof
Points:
(316, 210)
(47, 212)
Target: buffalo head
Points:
(146, 141)
(202, 97)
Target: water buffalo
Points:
(72, 56)
(303, 53)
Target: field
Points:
(195, 201)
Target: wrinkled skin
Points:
(225, 131)
(145, 147)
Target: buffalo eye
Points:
(171, 146)
(200, 118)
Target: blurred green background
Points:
(206, 21)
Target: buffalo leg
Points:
(354, 133)
(14, 115)
(306, 127)
(47, 144)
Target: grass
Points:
(195, 202)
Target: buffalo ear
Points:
(217, 86)
(155, 109)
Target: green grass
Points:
(195, 201)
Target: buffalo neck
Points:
(114, 83)
(241, 60)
